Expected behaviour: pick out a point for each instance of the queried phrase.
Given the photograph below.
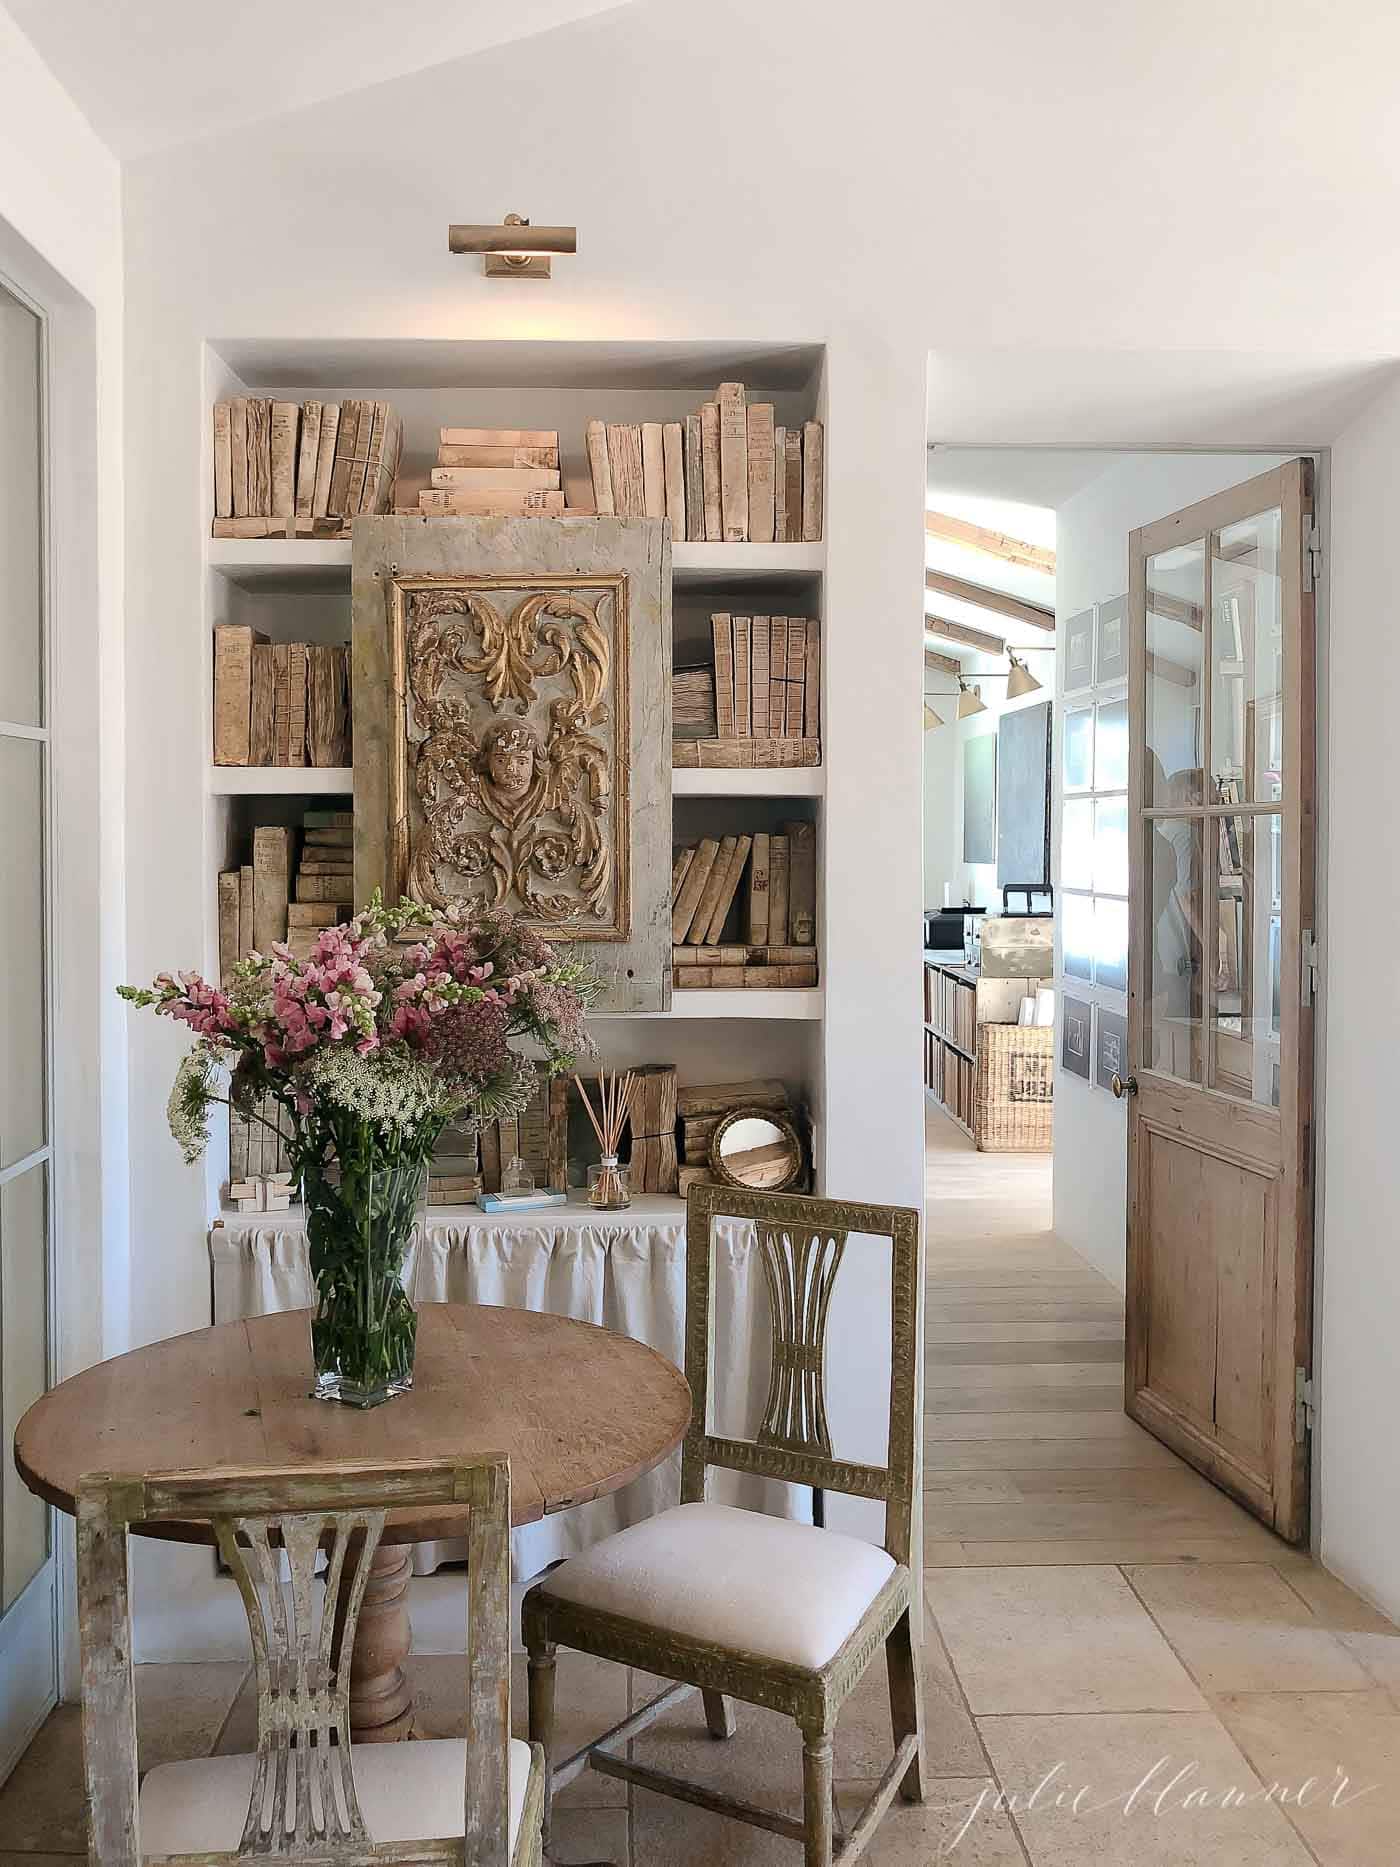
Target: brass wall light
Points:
(969, 700)
(515, 249)
(1020, 680)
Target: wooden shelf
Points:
(280, 781)
(695, 563)
(777, 1004)
(789, 781)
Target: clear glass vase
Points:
(360, 1211)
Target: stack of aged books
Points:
(767, 693)
(495, 472)
(279, 703)
(703, 1106)
(728, 474)
(772, 928)
(301, 469)
(693, 704)
(295, 884)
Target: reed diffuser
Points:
(607, 1182)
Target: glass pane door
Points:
(27, 1586)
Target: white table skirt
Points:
(623, 1270)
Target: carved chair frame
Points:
(803, 1241)
(302, 1659)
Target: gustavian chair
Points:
(304, 1796)
(739, 1604)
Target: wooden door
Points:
(1220, 994)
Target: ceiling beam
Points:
(994, 544)
(970, 638)
(958, 587)
(943, 664)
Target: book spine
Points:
(673, 462)
(759, 866)
(779, 856)
(813, 482)
(792, 494)
(812, 682)
(694, 480)
(679, 868)
(780, 485)
(238, 455)
(711, 495)
(724, 900)
(338, 888)
(733, 462)
(796, 677)
(778, 629)
(322, 705)
(709, 898)
(259, 458)
(535, 499)
(272, 870)
(325, 459)
(223, 462)
(347, 436)
(761, 640)
(597, 437)
(233, 692)
(379, 486)
(306, 459)
(296, 703)
(495, 479)
(743, 674)
(364, 466)
(228, 924)
(282, 448)
(503, 456)
(696, 881)
(245, 910)
(498, 437)
(262, 737)
(722, 633)
(281, 706)
(760, 451)
(653, 471)
(802, 882)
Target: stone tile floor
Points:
(1123, 1669)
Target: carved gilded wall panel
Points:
(512, 730)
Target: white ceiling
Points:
(161, 72)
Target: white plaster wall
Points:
(1092, 530)
(942, 808)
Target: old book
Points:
(694, 480)
(262, 733)
(778, 875)
(756, 924)
(259, 457)
(382, 462)
(673, 461)
(346, 441)
(498, 437)
(724, 900)
(722, 634)
(307, 451)
(653, 471)
(325, 459)
(779, 484)
(326, 862)
(679, 868)
(696, 880)
(491, 1157)
(596, 434)
(716, 1099)
(625, 459)
(501, 456)
(792, 486)
(325, 705)
(761, 466)
(228, 924)
(337, 887)
(693, 704)
(733, 463)
(282, 451)
(328, 819)
(813, 482)
(311, 914)
(272, 874)
(233, 691)
(698, 931)
(495, 479)
(372, 416)
(223, 462)
(812, 682)
(802, 883)
(281, 706)
(796, 677)
(245, 910)
(777, 675)
(535, 499)
(743, 676)
(760, 644)
(297, 678)
(711, 495)
(238, 455)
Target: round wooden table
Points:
(580, 1410)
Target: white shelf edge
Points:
(291, 558)
(701, 562)
(789, 781)
(280, 780)
(786, 1003)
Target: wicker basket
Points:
(1013, 1107)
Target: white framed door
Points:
(29, 1585)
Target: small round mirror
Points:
(758, 1149)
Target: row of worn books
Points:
(496, 472)
(296, 883)
(301, 468)
(771, 925)
(767, 677)
(728, 474)
(279, 703)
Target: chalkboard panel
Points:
(1023, 797)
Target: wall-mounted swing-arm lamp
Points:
(515, 249)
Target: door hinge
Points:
(1304, 1404)
(1312, 557)
(1312, 960)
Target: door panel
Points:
(1220, 1041)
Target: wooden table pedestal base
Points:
(381, 1700)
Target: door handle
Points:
(1123, 1086)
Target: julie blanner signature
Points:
(1166, 1788)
